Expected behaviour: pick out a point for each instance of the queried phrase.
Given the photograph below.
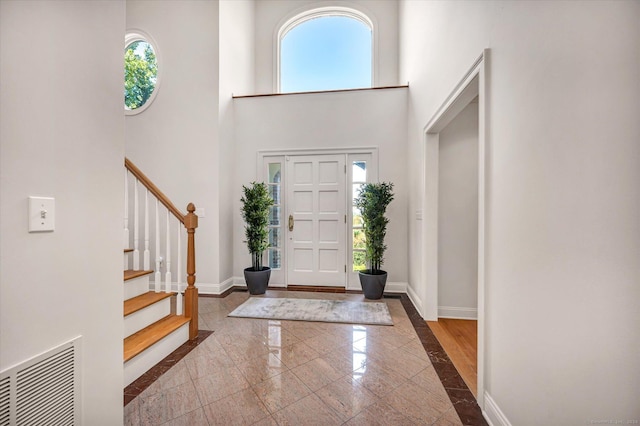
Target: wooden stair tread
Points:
(142, 301)
(130, 274)
(128, 250)
(138, 342)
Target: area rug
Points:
(375, 313)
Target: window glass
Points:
(358, 178)
(274, 171)
(326, 53)
(140, 74)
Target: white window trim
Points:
(353, 279)
(277, 275)
(320, 12)
(133, 35)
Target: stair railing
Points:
(136, 181)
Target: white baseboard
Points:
(204, 288)
(413, 296)
(209, 288)
(492, 413)
(396, 287)
(457, 313)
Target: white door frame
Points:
(263, 155)
(473, 84)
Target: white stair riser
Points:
(136, 287)
(144, 317)
(141, 363)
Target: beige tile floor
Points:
(266, 372)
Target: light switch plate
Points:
(42, 214)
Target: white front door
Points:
(315, 220)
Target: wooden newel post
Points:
(191, 293)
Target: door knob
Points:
(290, 223)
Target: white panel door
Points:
(315, 223)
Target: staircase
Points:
(154, 324)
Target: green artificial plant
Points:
(372, 201)
(256, 203)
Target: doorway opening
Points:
(456, 328)
(454, 224)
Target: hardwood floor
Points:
(459, 339)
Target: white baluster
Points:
(179, 271)
(136, 228)
(145, 256)
(158, 276)
(126, 218)
(167, 279)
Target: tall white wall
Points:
(563, 206)
(458, 215)
(237, 65)
(272, 14)
(372, 118)
(61, 135)
(175, 141)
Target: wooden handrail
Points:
(154, 190)
(190, 222)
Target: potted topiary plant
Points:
(372, 201)
(256, 202)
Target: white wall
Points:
(458, 215)
(61, 135)
(563, 207)
(237, 64)
(272, 14)
(327, 120)
(175, 141)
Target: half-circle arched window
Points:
(325, 49)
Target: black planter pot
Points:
(257, 281)
(373, 284)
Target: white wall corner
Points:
(457, 312)
(492, 413)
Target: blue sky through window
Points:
(326, 53)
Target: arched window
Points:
(325, 49)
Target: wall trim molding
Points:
(492, 413)
(203, 288)
(390, 287)
(217, 289)
(415, 299)
(456, 312)
(473, 83)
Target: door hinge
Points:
(345, 268)
(345, 218)
(345, 169)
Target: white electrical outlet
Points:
(42, 214)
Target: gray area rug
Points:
(375, 313)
